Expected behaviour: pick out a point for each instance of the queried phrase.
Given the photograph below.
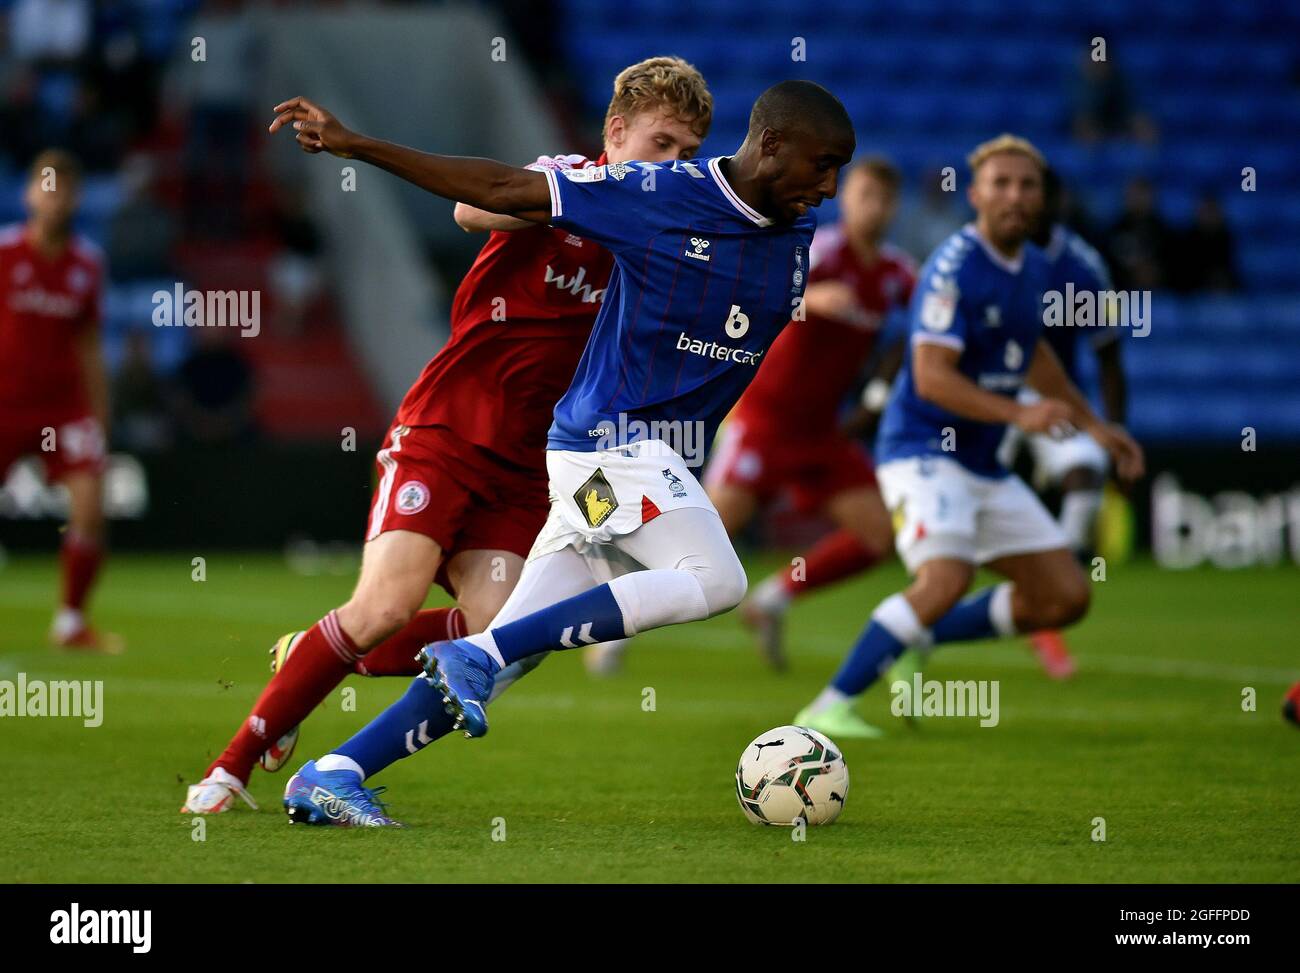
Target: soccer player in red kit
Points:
(53, 386)
(784, 437)
(462, 490)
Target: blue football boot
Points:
(464, 674)
(334, 797)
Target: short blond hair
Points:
(1006, 142)
(668, 84)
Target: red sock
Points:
(836, 556)
(395, 656)
(80, 558)
(320, 660)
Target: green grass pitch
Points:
(1151, 736)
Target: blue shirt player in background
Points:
(975, 338)
(1076, 465)
(711, 257)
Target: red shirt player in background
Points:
(53, 385)
(785, 436)
(462, 489)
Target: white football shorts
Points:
(942, 509)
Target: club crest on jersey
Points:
(596, 499)
(412, 497)
(675, 484)
(993, 316)
(618, 170)
(797, 280)
(698, 249)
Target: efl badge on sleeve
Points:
(596, 499)
(937, 310)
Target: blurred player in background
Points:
(975, 338)
(462, 490)
(53, 385)
(1076, 464)
(710, 258)
(784, 436)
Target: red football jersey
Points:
(519, 322)
(815, 363)
(46, 303)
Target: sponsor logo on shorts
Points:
(596, 499)
(412, 497)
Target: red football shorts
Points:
(464, 497)
(73, 443)
(809, 471)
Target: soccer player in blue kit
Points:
(976, 337)
(710, 258)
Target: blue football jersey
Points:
(989, 308)
(1072, 261)
(702, 285)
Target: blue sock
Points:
(875, 649)
(593, 616)
(409, 725)
(967, 620)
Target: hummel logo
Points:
(697, 248)
(584, 636)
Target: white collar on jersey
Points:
(1057, 243)
(1011, 265)
(744, 208)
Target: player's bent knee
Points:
(370, 621)
(1074, 602)
(725, 586)
(1066, 604)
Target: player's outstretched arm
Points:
(471, 219)
(1049, 378)
(483, 183)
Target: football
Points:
(790, 773)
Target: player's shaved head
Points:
(800, 106)
(799, 139)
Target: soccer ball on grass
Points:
(790, 773)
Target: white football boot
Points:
(215, 794)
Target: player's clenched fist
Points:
(1051, 416)
(316, 128)
(1130, 463)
